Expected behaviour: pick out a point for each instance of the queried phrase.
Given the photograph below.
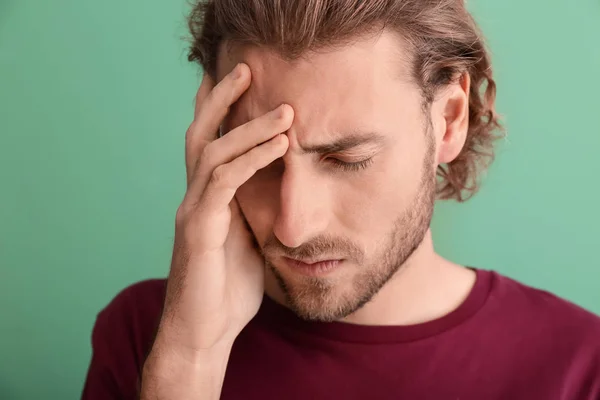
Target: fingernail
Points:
(278, 112)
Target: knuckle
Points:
(188, 138)
(206, 154)
(187, 232)
(220, 175)
(182, 214)
(189, 134)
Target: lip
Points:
(313, 267)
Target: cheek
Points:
(258, 200)
(372, 202)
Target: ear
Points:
(453, 117)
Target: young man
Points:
(303, 264)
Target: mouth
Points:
(312, 267)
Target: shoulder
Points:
(542, 306)
(121, 339)
(135, 312)
(143, 298)
(553, 332)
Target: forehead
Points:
(352, 84)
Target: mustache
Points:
(317, 247)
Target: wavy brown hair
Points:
(443, 39)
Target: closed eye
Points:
(353, 166)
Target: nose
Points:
(303, 207)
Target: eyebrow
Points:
(349, 141)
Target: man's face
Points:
(368, 205)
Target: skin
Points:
(375, 219)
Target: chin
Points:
(326, 308)
(320, 299)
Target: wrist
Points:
(171, 356)
(180, 373)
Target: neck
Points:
(425, 288)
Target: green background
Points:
(95, 98)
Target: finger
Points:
(254, 132)
(203, 91)
(218, 101)
(211, 108)
(237, 142)
(227, 178)
(205, 87)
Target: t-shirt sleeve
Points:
(102, 376)
(585, 368)
(121, 339)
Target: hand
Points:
(216, 282)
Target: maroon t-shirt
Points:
(506, 341)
